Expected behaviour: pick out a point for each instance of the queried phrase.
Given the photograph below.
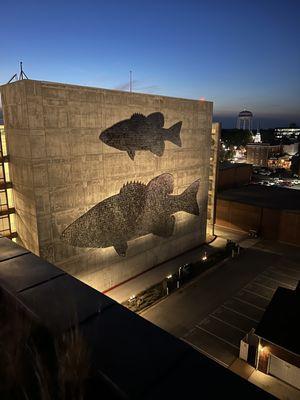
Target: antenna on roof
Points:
(22, 75)
(15, 76)
(130, 81)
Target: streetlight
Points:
(132, 298)
(168, 277)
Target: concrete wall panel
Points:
(54, 130)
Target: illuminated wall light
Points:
(6, 171)
(263, 350)
(132, 298)
(3, 140)
(10, 198)
(169, 276)
(204, 257)
(13, 222)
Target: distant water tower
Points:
(244, 120)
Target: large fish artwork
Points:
(141, 133)
(137, 210)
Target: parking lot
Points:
(215, 312)
(218, 335)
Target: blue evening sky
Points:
(238, 54)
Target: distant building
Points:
(233, 175)
(271, 211)
(280, 162)
(290, 149)
(244, 120)
(213, 172)
(257, 137)
(287, 132)
(259, 153)
(295, 164)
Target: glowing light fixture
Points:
(264, 350)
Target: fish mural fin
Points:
(187, 201)
(131, 188)
(131, 154)
(173, 134)
(158, 148)
(133, 193)
(138, 118)
(166, 228)
(156, 119)
(121, 248)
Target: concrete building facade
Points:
(272, 212)
(232, 175)
(259, 153)
(213, 176)
(60, 170)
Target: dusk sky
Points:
(236, 54)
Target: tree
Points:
(236, 137)
(295, 164)
(293, 125)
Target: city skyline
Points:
(236, 55)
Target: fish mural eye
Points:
(137, 210)
(141, 133)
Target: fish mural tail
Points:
(173, 134)
(187, 201)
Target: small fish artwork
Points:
(142, 133)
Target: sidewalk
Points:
(147, 279)
(268, 383)
(157, 274)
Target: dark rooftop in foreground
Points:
(280, 322)
(130, 356)
(261, 196)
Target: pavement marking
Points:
(291, 269)
(256, 294)
(280, 273)
(280, 282)
(264, 286)
(189, 332)
(268, 251)
(227, 323)
(249, 304)
(239, 313)
(205, 353)
(218, 337)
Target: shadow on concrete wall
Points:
(141, 133)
